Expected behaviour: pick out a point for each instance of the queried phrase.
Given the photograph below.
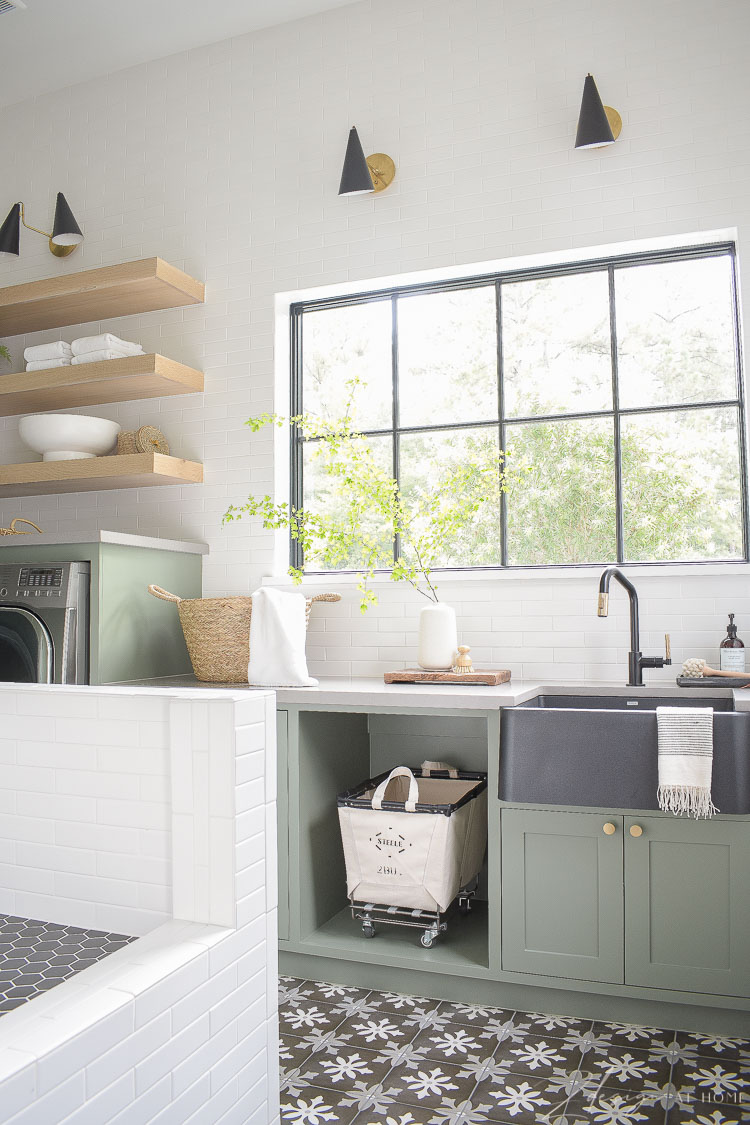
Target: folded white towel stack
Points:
(43, 364)
(686, 752)
(105, 341)
(277, 640)
(100, 356)
(59, 349)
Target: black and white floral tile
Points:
(35, 956)
(377, 1058)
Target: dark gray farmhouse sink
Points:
(601, 751)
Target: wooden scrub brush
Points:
(695, 669)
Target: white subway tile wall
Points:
(225, 160)
(181, 1025)
(86, 839)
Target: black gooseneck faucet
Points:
(636, 661)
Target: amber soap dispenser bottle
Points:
(732, 650)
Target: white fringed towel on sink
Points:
(686, 754)
(277, 640)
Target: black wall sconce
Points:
(66, 233)
(362, 173)
(598, 124)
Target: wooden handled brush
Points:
(695, 669)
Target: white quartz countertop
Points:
(332, 692)
(121, 538)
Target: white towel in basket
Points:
(686, 754)
(277, 640)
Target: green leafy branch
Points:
(359, 512)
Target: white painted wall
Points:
(225, 160)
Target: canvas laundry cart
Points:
(414, 843)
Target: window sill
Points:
(524, 574)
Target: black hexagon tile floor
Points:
(35, 956)
(353, 1057)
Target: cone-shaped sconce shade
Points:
(10, 230)
(66, 231)
(593, 127)
(355, 177)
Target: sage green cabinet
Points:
(562, 900)
(657, 902)
(282, 819)
(687, 905)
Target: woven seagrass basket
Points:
(217, 633)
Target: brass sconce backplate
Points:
(382, 170)
(61, 251)
(615, 121)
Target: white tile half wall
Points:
(225, 160)
(181, 1026)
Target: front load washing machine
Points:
(44, 623)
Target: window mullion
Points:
(619, 515)
(501, 417)
(395, 411)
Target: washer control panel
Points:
(49, 583)
(44, 577)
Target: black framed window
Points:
(616, 384)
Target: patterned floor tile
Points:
(451, 1043)
(627, 1068)
(556, 1026)
(355, 1057)
(612, 1107)
(334, 993)
(375, 1031)
(313, 1106)
(538, 1055)
(298, 1017)
(473, 1015)
(431, 1083)
(630, 1034)
(337, 1070)
(720, 1047)
(292, 1051)
(713, 1080)
(403, 1005)
(710, 1113)
(397, 1114)
(522, 1099)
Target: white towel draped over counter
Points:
(38, 353)
(686, 753)
(105, 341)
(277, 640)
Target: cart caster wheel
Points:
(368, 929)
(464, 906)
(426, 940)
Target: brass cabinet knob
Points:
(636, 830)
(609, 829)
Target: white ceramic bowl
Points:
(68, 437)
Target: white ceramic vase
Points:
(438, 637)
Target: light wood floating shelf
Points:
(76, 298)
(89, 384)
(134, 470)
